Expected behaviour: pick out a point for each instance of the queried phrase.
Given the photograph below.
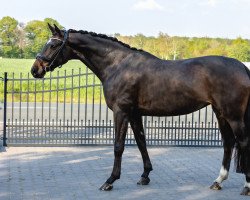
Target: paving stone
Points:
(72, 173)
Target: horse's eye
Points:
(53, 46)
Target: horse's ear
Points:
(57, 30)
(52, 29)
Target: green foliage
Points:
(167, 47)
(25, 41)
(240, 49)
(9, 37)
(37, 33)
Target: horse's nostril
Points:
(33, 71)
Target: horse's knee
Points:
(118, 149)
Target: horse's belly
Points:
(170, 108)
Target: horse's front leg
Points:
(121, 126)
(137, 127)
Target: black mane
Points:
(104, 37)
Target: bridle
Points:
(51, 59)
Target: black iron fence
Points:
(68, 108)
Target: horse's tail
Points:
(247, 70)
(247, 112)
(241, 155)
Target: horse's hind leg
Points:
(228, 145)
(137, 127)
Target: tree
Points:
(162, 46)
(139, 41)
(239, 49)
(9, 37)
(37, 33)
(21, 39)
(216, 47)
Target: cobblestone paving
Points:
(68, 173)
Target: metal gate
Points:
(68, 108)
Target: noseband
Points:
(55, 55)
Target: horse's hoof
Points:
(106, 187)
(215, 186)
(245, 191)
(143, 181)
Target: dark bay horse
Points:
(136, 83)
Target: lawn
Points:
(24, 65)
(23, 87)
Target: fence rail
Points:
(69, 109)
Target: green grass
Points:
(24, 65)
(19, 70)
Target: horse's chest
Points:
(121, 95)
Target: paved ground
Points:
(70, 173)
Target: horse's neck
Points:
(99, 56)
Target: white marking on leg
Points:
(247, 185)
(222, 176)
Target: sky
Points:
(191, 18)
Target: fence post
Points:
(5, 109)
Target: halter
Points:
(54, 56)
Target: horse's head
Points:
(54, 53)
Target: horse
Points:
(137, 83)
